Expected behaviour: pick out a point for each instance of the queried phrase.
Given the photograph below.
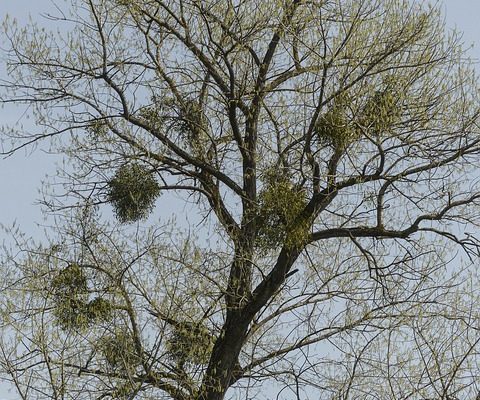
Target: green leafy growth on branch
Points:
(72, 309)
(119, 351)
(125, 391)
(190, 342)
(381, 112)
(280, 205)
(334, 128)
(132, 192)
(153, 115)
(98, 128)
(99, 309)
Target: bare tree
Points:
(327, 153)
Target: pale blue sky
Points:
(21, 174)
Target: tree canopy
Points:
(326, 155)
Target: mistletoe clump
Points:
(99, 309)
(98, 128)
(154, 114)
(192, 119)
(333, 128)
(381, 112)
(71, 281)
(119, 351)
(125, 390)
(280, 205)
(190, 342)
(191, 124)
(132, 192)
(70, 296)
(72, 309)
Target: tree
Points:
(326, 152)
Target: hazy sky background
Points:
(21, 175)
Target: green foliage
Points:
(190, 342)
(70, 281)
(192, 117)
(192, 125)
(132, 192)
(125, 391)
(334, 128)
(280, 205)
(379, 115)
(99, 309)
(98, 128)
(186, 119)
(71, 314)
(381, 112)
(70, 295)
(119, 351)
(153, 115)
(72, 309)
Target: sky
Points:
(21, 174)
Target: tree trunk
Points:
(224, 358)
